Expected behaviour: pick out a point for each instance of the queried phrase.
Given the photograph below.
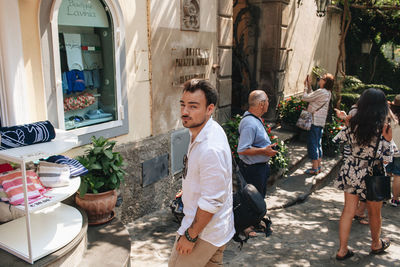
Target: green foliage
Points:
(330, 131)
(358, 89)
(318, 71)
(349, 99)
(104, 165)
(350, 82)
(351, 93)
(289, 110)
(390, 97)
(279, 162)
(381, 26)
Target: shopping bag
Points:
(305, 120)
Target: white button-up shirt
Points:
(208, 184)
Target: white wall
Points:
(314, 41)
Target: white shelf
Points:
(63, 142)
(49, 225)
(56, 195)
(52, 228)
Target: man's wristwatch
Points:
(189, 238)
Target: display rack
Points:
(49, 225)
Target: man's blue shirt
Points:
(252, 134)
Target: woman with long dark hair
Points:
(367, 130)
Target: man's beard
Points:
(195, 125)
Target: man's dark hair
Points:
(209, 91)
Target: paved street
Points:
(305, 234)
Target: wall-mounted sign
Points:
(89, 13)
(190, 15)
(190, 63)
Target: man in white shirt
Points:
(207, 182)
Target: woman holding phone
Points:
(368, 131)
(318, 106)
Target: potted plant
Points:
(97, 192)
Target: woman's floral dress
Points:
(355, 167)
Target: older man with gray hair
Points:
(255, 148)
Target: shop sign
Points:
(89, 13)
(190, 63)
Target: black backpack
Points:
(177, 207)
(249, 208)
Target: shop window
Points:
(84, 72)
(86, 49)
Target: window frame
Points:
(108, 129)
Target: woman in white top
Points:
(318, 105)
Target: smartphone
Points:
(389, 120)
(276, 147)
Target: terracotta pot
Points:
(99, 207)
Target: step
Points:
(297, 153)
(283, 134)
(297, 186)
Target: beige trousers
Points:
(203, 254)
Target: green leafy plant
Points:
(104, 165)
(318, 71)
(350, 82)
(330, 131)
(279, 162)
(349, 99)
(289, 110)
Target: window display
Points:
(86, 41)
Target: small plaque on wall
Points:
(190, 15)
(154, 170)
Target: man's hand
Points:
(269, 151)
(184, 246)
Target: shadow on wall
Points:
(314, 42)
(168, 43)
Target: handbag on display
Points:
(377, 182)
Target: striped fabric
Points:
(3, 195)
(318, 105)
(53, 174)
(75, 167)
(12, 185)
(27, 134)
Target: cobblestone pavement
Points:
(305, 234)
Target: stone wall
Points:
(292, 41)
(225, 39)
(137, 199)
(159, 156)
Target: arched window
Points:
(86, 65)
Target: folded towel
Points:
(75, 167)
(28, 134)
(12, 184)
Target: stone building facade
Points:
(148, 49)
